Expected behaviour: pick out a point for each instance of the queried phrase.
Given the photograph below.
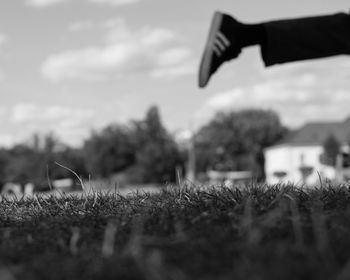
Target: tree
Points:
(74, 158)
(157, 154)
(4, 160)
(143, 151)
(110, 151)
(331, 148)
(23, 165)
(29, 162)
(305, 171)
(235, 140)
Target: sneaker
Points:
(221, 46)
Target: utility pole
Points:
(339, 168)
(191, 163)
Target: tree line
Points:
(143, 151)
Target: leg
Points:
(281, 41)
(306, 38)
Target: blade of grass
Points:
(74, 173)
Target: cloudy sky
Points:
(68, 66)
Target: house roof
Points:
(316, 133)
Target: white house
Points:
(298, 158)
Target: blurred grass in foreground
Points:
(260, 232)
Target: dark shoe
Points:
(222, 45)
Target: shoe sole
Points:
(205, 66)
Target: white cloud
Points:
(173, 63)
(297, 95)
(7, 140)
(87, 63)
(44, 3)
(3, 39)
(24, 113)
(70, 124)
(47, 3)
(154, 51)
(115, 30)
(80, 25)
(172, 56)
(114, 2)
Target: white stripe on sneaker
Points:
(216, 50)
(224, 39)
(219, 44)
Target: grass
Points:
(260, 232)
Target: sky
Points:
(70, 66)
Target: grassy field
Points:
(277, 232)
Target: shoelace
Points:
(221, 43)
